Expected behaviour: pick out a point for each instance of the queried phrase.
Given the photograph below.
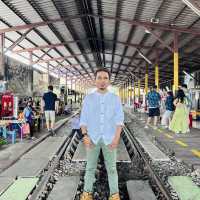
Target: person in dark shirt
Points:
(166, 118)
(49, 99)
(153, 100)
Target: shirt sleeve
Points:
(119, 113)
(84, 112)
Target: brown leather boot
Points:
(86, 196)
(114, 197)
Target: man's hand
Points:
(114, 143)
(87, 141)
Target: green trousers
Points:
(110, 157)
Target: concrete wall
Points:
(19, 77)
(23, 80)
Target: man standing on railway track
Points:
(101, 124)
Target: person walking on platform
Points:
(188, 101)
(180, 120)
(166, 118)
(49, 99)
(153, 102)
(101, 124)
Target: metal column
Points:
(176, 63)
(157, 71)
(157, 76)
(2, 62)
(146, 80)
(48, 77)
(138, 90)
(30, 74)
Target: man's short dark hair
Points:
(155, 87)
(184, 86)
(50, 87)
(102, 70)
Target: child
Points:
(166, 118)
(28, 115)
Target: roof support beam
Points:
(193, 31)
(75, 41)
(159, 39)
(152, 25)
(117, 23)
(38, 24)
(75, 55)
(58, 58)
(93, 61)
(41, 57)
(99, 7)
(46, 46)
(72, 31)
(23, 36)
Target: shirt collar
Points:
(100, 94)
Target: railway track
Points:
(139, 169)
(138, 153)
(63, 178)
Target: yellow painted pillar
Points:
(124, 92)
(79, 91)
(134, 91)
(157, 76)
(131, 92)
(146, 83)
(176, 63)
(133, 96)
(176, 69)
(127, 92)
(120, 93)
(138, 89)
(146, 80)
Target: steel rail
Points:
(66, 145)
(153, 174)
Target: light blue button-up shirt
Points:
(101, 114)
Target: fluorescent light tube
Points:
(192, 6)
(143, 56)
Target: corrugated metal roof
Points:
(111, 43)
